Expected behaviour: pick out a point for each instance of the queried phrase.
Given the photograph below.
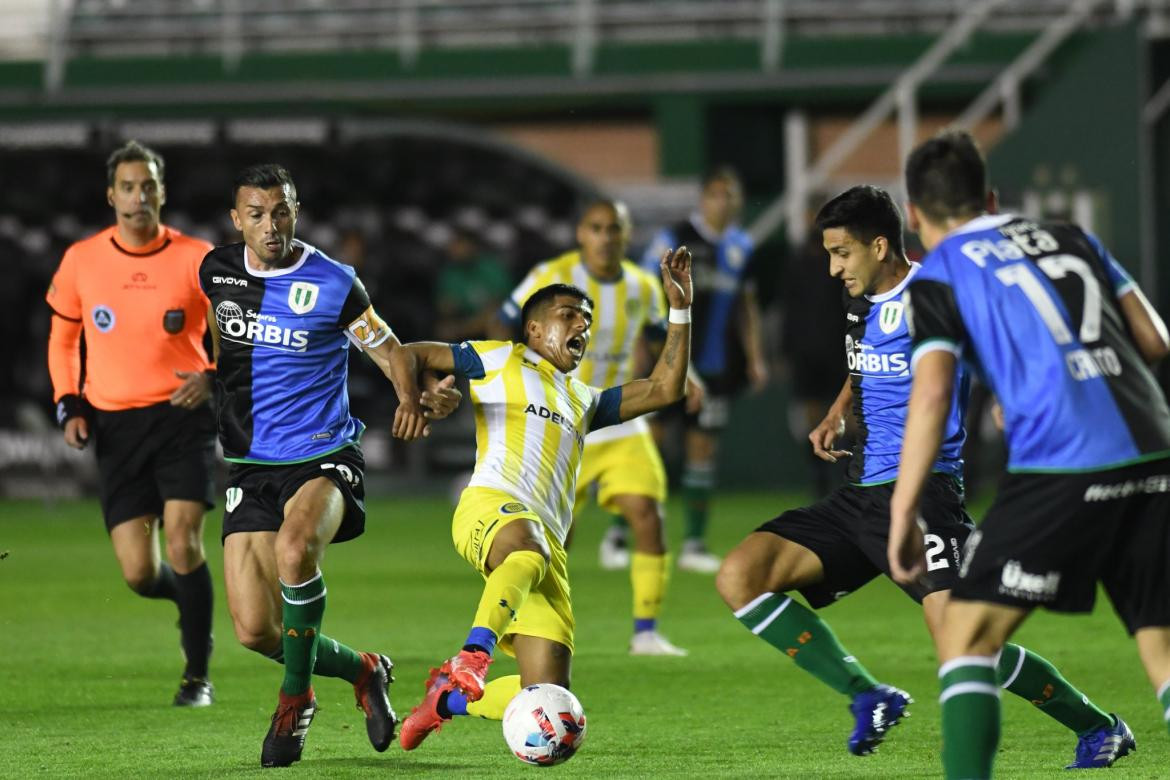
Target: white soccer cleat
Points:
(614, 552)
(697, 558)
(653, 643)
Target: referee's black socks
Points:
(194, 596)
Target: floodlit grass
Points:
(87, 670)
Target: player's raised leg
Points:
(753, 581)
(515, 562)
(183, 521)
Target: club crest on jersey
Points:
(512, 507)
(302, 297)
(736, 257)
(890, 316)
(103, 318)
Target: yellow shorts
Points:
(548, 611)
(630, 465)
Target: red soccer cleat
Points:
(372, 695)
(468, 671)
(425, 718)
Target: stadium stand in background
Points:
(405, 122)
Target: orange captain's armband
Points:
(368, 330)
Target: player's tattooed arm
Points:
(926, 418)
(696, 389)
(667, 382)
(825, 435)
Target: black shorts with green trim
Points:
(1048, 539)
(849, 530)
(257, 493)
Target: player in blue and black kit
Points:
(728, 350)
(833, 547)
(1061, 334)
(283, 315)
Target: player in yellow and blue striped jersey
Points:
(532, 417)
(622, 460)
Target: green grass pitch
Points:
(87, 669)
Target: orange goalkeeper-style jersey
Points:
(143, 313)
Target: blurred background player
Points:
(284, 314)
(532, 417)
(727, 351)
(470, 287)
(835, 546)
(132, 291)
(622, 461)
(1062, 334)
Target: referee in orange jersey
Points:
(133, 290)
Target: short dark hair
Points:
(720, 173)
(947, 176)
(544, 296)
(264, 176)
(133, 151)
(866, 212)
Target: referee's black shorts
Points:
(153, 454)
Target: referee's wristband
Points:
(680, 316)
(69, 406)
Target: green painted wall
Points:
(1080, 132)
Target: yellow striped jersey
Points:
(622, 309)
(530, 425)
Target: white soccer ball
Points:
(544, 725)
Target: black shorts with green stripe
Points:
(257, 493)
(849, 531)
(1048, 539)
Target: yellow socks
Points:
(497, 694)
(648, 578)
(506, 589)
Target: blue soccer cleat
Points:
(876, 711)
(1099, 749)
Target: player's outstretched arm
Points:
(832, 427)
(440, 397)
(370, 333)
(926, 418)
(667, 382)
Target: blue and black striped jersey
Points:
(720, 268)
(1033, 308)
(877, 353)
(283, 364)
